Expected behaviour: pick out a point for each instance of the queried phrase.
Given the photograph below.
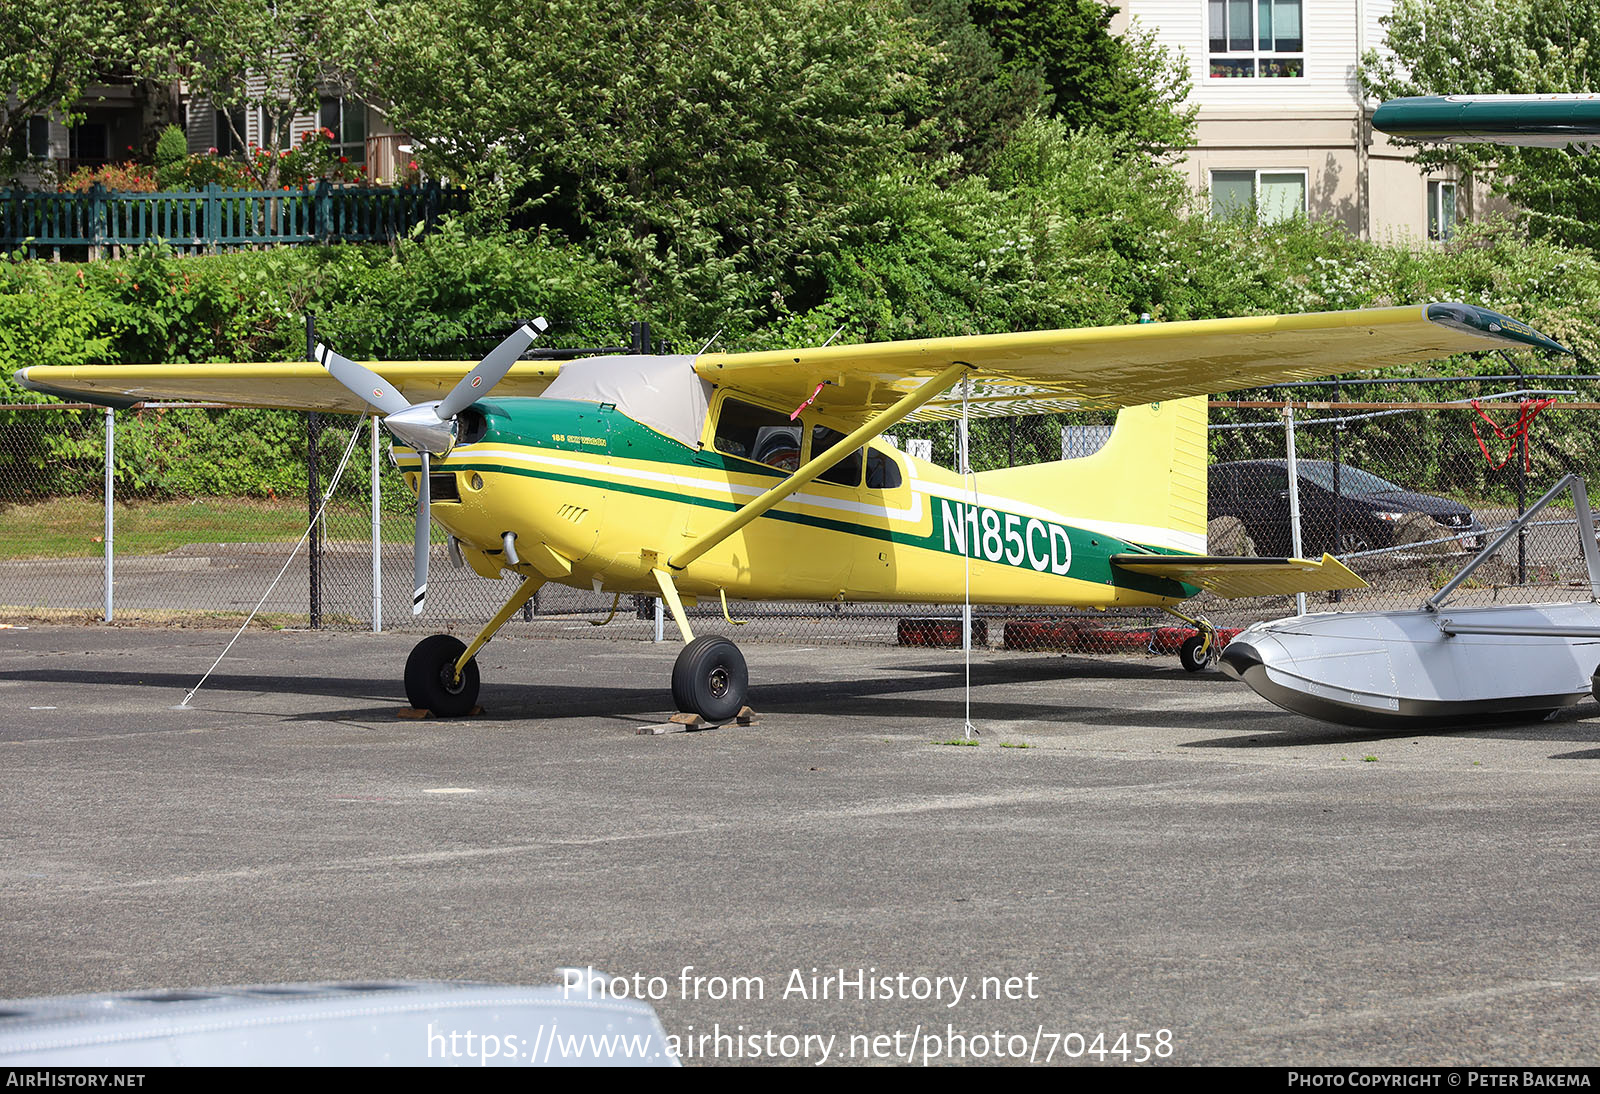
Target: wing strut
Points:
(908, 404)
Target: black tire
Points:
(710, 679)
(1189, 654)
(1353, 542)
(430, 677)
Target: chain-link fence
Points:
(1403, 479)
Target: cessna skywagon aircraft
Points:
(760, 475)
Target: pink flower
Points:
(211, 151)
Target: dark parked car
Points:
(1355, 511)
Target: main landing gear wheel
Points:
(710, 679)
(1190, 654)
(431, 682)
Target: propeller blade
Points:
(420, 562)
(361, 380)
(490, 371)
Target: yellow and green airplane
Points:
(764, 476)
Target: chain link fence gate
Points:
(1393, 477)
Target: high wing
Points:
(1028, 373)
(291, 385)
(1231, 577)
(1549, 121)
(1111, 367)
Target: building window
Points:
(276, 127)
(1272, 195)
(31, 139)
(227, 131)
(1255, 38)
(89, 142)
(1441, 210)
(346, 119)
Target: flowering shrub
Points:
(128, 176)
(312, 158)
(198, 172)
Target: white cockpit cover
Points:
(662, 392)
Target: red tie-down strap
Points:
(801, 408)
(1517, 431)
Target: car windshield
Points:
(1352, 482)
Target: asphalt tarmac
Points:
(1169, 856)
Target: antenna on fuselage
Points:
(710, 340)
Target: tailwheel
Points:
(710, 679)
(431, 682)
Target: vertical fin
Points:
(1150, 477)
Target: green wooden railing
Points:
(215, 218)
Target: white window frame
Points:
(1439, 230)
(1226, 64)
(1255, 186)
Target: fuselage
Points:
(596, 499)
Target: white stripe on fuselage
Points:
(1150, 535)
(912, 513)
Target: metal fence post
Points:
(1338, 485)
(1522, 491)
(377, 537)
(313, 488)
(109, 533)
(1294, 499)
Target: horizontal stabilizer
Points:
(1232, 577)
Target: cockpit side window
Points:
(756, 433)
(883, 472)
(847, 472)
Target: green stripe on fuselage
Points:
(566, 426)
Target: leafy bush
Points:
(130, 177)
(441, 296)
(171, 146)
(1067, 229)
(199, 171)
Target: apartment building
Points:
(1283, 126)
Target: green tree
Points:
(712, 150)
(975, 102)
(273, 58)
(1441, 47)
(50, 52)
(1129, 84)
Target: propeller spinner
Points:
(428, 427)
